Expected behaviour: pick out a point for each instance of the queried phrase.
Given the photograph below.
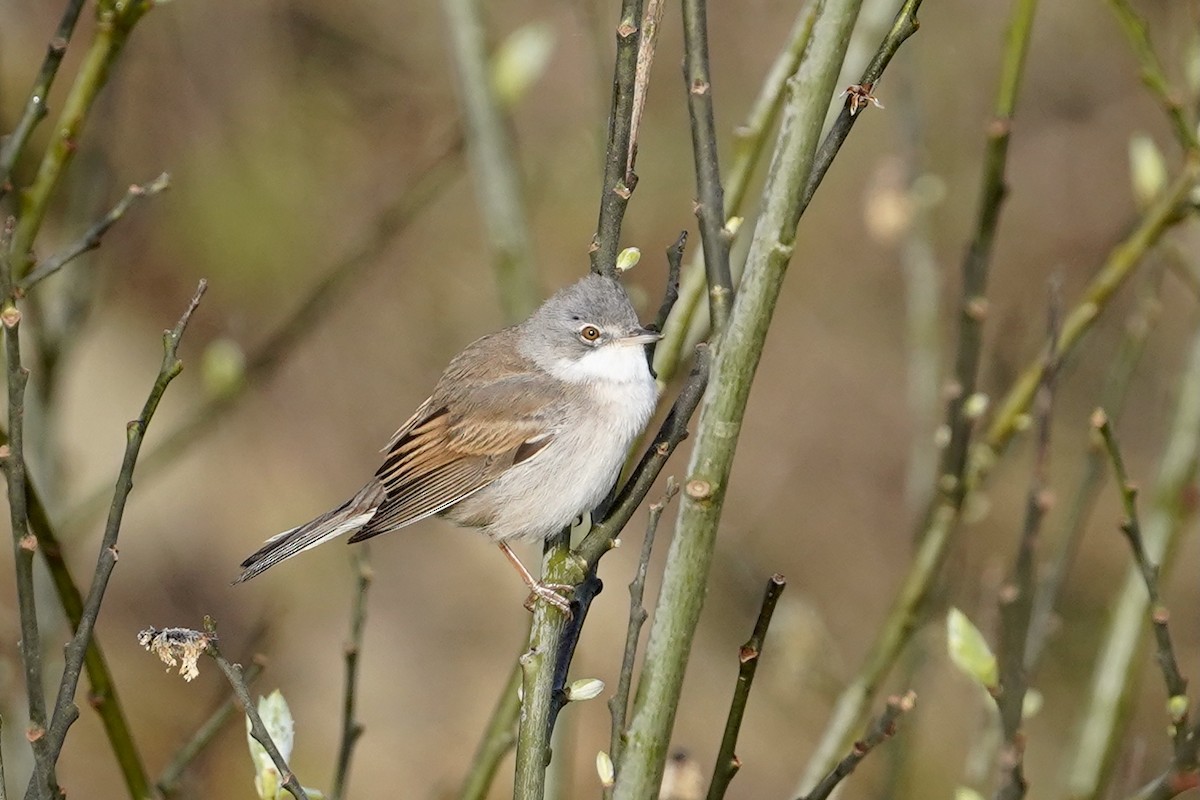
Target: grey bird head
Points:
(588, 330)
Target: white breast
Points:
(574, 472)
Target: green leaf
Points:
(966, 793)
(584, 689)
(628, 258)
(277, 718)
(969, 650)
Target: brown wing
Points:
(458, 442)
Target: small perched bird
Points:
(526, 430)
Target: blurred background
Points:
(290, 126)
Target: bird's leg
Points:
(552, 593)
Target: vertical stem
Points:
(690, 556)
(750, 140)
(939, 524)
(749, 653)
(538, 697)
(352, 729)
(24, 544)
(619, 180)
(112, 29)
(976, 265)
(35, 105)
(710, 207)
(1093, 755)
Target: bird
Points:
(525, 431)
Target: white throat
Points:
(610, 363)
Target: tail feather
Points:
(350, 516)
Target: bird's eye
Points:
(589, 333)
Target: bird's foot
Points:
(555, 594)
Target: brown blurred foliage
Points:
(288, 124)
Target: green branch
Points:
(24, 544)
(36, 107)
(168, 780)
(114, 22)
(1153, 76)
(639, 772)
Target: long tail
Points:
(350, 516)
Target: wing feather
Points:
(451, 449)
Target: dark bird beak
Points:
(640, 336)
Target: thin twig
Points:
(92, 237)
(1168, 663)
(737, 356)
(273, 352)
(710, 203)
(879, 732)
(1121, 262)
(352, 729)
(493, 162)
(619, 177)
(855, 700)
(618, 704)
(65, 711)
(35, 106)
(168, 781)
(1093, 755)
(1128, 355)
(114, 24)
(671, 295)
(1153, 76)
(233, 672)
(1017, 595)
(102, 691)
(728, 762)
(904, 26)
(750, 142)
(498, 738)
(24, 544)
(977, 262)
